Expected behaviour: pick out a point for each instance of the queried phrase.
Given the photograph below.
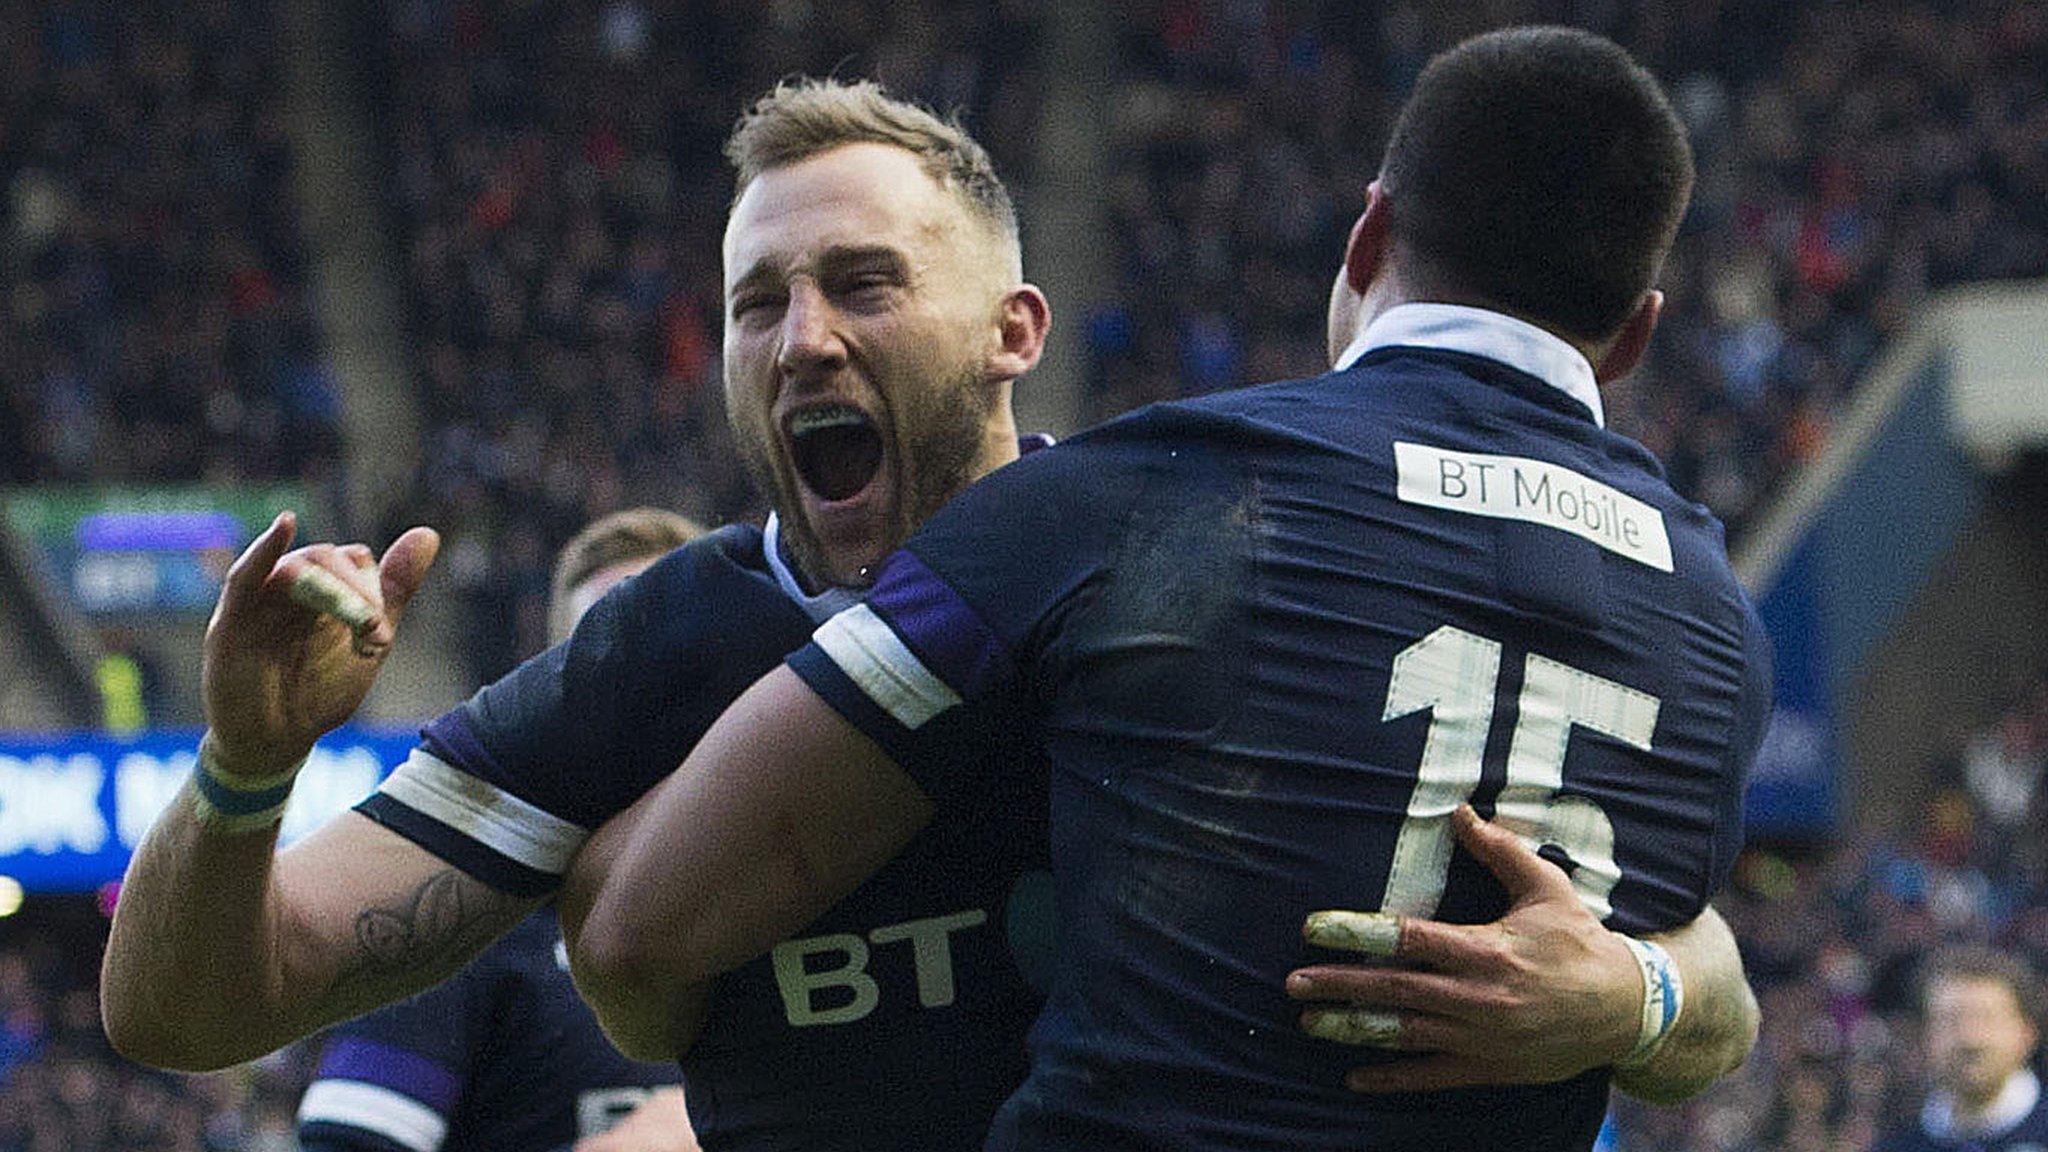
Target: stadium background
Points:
(456, 262)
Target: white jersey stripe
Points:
(392, 1115)
(484, 812)
(873, 657)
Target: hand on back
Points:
(1541, 994)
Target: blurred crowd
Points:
(1852, 156)
(556, 197)
(1834, 945)
(155, 324)
(63, 1090)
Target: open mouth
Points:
(836, 450)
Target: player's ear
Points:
(1023, 319)
(1628, 346)
(1366, 250)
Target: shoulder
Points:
(728, 558)
(706, 591)
(646, 669)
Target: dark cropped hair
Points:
(1539, 170)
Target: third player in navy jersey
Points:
(502, 1056)
(505, 1054)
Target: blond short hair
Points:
(633, 534)
(803, 117)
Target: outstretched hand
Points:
(1539, 995)
(297, 638)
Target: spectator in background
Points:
(1983, 1012)
(504, 1054)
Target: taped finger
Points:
(324, 592)
(1360, 1027)
(1457, 998)
(1373, 933)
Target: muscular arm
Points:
(650, 1036)
(782, 809)
(222, 951)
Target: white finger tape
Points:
(324, 592)
(1373, 933)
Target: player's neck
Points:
(998, 441)
(1396, 295)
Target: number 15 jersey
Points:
(1269, 640)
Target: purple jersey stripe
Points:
(451, 738)
(937, 625)
(408, 1073)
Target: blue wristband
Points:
(237, 803)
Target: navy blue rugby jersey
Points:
(503, 1054)
(897, 1019)
(1269, 640)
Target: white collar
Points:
(2015, 1103)
(821, 607)
(1482, 332)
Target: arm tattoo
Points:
(445, 921)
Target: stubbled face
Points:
(1977, 1036)
(862, 309)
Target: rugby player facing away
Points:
(1272, 642)
(504, 1054)
(876, 321)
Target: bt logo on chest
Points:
(844, 959)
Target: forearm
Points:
(646, 1010)
(222, 951)
(191, 972)
(781, 810)
(1718, 1025)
